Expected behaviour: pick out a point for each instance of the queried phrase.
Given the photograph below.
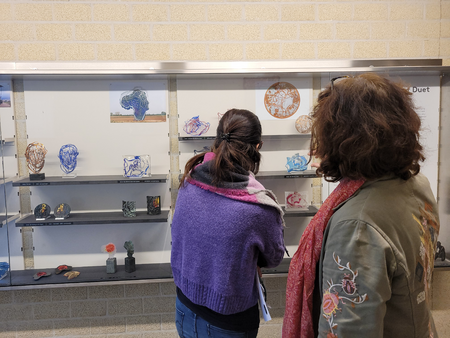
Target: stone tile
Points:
(6, 297)
(274, 299)
(189, 51)
(115, 52)
(144, 323)
(168, 289)
(111, 12)
(125, 307)
(225, 12)
(72, 327)
(189, 12)
(263, 51)
(51, 310)
(36, 52)
(168, 322)
(141, 290)
(152, 51)
(106, 291)
(32, 12)
(72, 12)
(262, 12)
(275, 283)
(441, 290)
(269, 331)
(226, 51)
(94, 308)
(162, 334)
(7, 330)
(441, 321)
(108, 325)
(159, 304)
(34, 329)
(75, 293)
(298, 50)
(16, 312)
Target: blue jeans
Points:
(189, 325)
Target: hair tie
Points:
(226, 137)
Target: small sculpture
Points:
(296, 200)
(296, 163)
(41, 274)
(62, 268)
(4, 267)
(129, 208)
(205, 149)
(303, 124)
(72, 274)
(196, 127)
(130, 262)
(153, 205)
(62, 211)
(111, 262)
(68, 158)
(136, 166)
(42, 211)
(440, 252)
(35, 155)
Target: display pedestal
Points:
(37, 177)
(130, 264)
(111, 265)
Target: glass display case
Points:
(96, 125)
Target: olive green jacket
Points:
(377, 260)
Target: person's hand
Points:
(259, 272)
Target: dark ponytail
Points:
(236, 147)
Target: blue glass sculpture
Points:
(4, 267)
(196, 127)
(296, 163)
(136, 166)
(136, 100)
(68, 157)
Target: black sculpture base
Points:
(37, 177)
(130, 264)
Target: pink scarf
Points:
(298, 321)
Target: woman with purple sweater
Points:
(226, 225)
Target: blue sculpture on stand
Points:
(136, 166)
(296, 163)
(68, 157)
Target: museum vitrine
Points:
(96, 151)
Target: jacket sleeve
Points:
(270, 241)
(357, 268)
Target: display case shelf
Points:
(93, 274)
(79, 180)
(283, 268)
(264, 137)
(106, 217)
(9, 141)
(284, 174)
(6, 219)
(312, 210)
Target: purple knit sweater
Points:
(216, 244)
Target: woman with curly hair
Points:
(364, 263)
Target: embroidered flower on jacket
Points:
(338, 292)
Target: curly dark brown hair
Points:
(366, 127)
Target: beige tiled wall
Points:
(213, 30)
(198, 30)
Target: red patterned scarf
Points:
(298, 321)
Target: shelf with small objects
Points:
(96, 173)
